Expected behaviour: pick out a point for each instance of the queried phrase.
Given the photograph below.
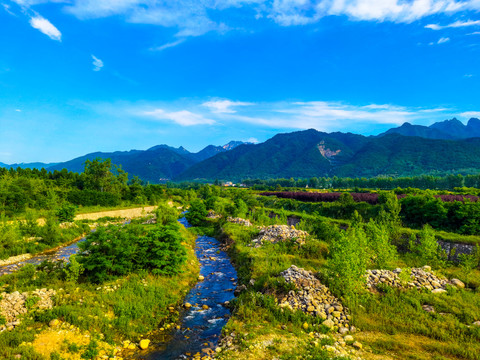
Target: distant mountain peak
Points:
(233, 144)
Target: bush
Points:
(166, 214)
(66, 213)
(348, 262)
(196, 213)
(118, 251)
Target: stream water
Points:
(200, 329)
(63, 254)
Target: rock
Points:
(349, 339)
(328, 323)
(476, 323)
(238, 290)
(187, 305)
(343, 330)
(205, 307)
(428, 308)
(201, 278)
(357, 345)
(240, 221)
(438, 291)
(427, 268)
(144, 344)
(54, 323)
(457, 283)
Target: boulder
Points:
(144, 344)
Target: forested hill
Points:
(155, 165)
(313, 153)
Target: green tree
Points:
(197, 212)
(348, 262)
(66, 213)
(382, 252)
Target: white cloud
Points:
(252, 140)
(40, 23)
(182, 117)
(456, 24)
(7, 8)
(470, 114)
(443, 40)
(468, 75)
(195, 17)
(97, 63)
(18, 110)
(224, 106)
(321, 115)
(168, 45)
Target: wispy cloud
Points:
(97, 63)
(470, 114)
(168, 45)
(442, 40)
(456, 24)
(182, 117)
(43, 25)
(320, 115)
(7, 8)
(224, 106)
(194, 18)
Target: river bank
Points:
(6, 266)
(129, 309)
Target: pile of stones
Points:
(409, 279)
(13, 305)
(276, 233)
(314, 298)
(237, 220)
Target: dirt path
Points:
(124, 213)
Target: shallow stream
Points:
(201, 329)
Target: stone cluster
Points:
(237, 220)
(13, 305)
(312, 297)
(410, 278)
(276, 233)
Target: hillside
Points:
(157, 164)
(312, 153)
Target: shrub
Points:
(348, 262)
(66, 213)
(117, 251)
(166, 214)
(196, 213)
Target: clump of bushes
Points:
(117, 251)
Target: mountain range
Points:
(447, 130)
(444, 147)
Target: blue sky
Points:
(78, 76)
